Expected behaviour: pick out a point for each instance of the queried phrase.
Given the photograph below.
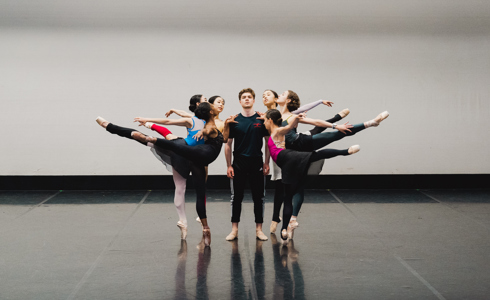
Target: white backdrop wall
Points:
(55, 80)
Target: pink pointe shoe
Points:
(354, 149)
(102, 122)
(183, 230)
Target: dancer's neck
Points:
(248, 112)
(283, 109)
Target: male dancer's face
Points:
(247, 100)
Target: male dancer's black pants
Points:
(248, 169)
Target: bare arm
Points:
(226, 129)
(266, 167)
(187, 122)
(179, 112)
(292, 123)
(344, 128)
(229, 172)
(316, 122)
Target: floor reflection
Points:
(180, 292)
(203, 260)
(202, 270)
(285, 285)
(259, 270)
(237, 282)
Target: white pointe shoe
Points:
(343, 113)
(183, 230)
(148, 125)
(354, 149)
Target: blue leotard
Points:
(197, 125)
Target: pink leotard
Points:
(274, 151)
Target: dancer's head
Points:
(290, 99)
(246, 98)
(195, 100)
(269, 97)
(218, 102)
(206, 111)
(272, 116)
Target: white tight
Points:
(179, 197)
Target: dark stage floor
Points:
(351, 244)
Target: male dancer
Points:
(247, 162)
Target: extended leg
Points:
(123, 131)
(328, 153)
(322, 139)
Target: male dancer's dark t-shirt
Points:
(247, 135)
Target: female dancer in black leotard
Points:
(288, 104)
(270, 98)
(200, 155)
(293, 164)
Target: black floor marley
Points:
(382, 196)
(350, 244)
(24, 197)
(470, 196)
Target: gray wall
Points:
(63, 64)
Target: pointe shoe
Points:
(343, 113)
(198, 220)
(294, 223)
(261, 236)
(284, 236)
(291, 228)
(206, 234)
(183, 230)
(101, 121)
(375, 122)
(232, 236)
(273, 226)
(354, 149)
(381, 117)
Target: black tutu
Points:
(299, 142)
(172, 160)
(294, 165)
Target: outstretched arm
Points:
(187, 122)
(179, 112)
(292, 123)
(309, 106)
(344, 128)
